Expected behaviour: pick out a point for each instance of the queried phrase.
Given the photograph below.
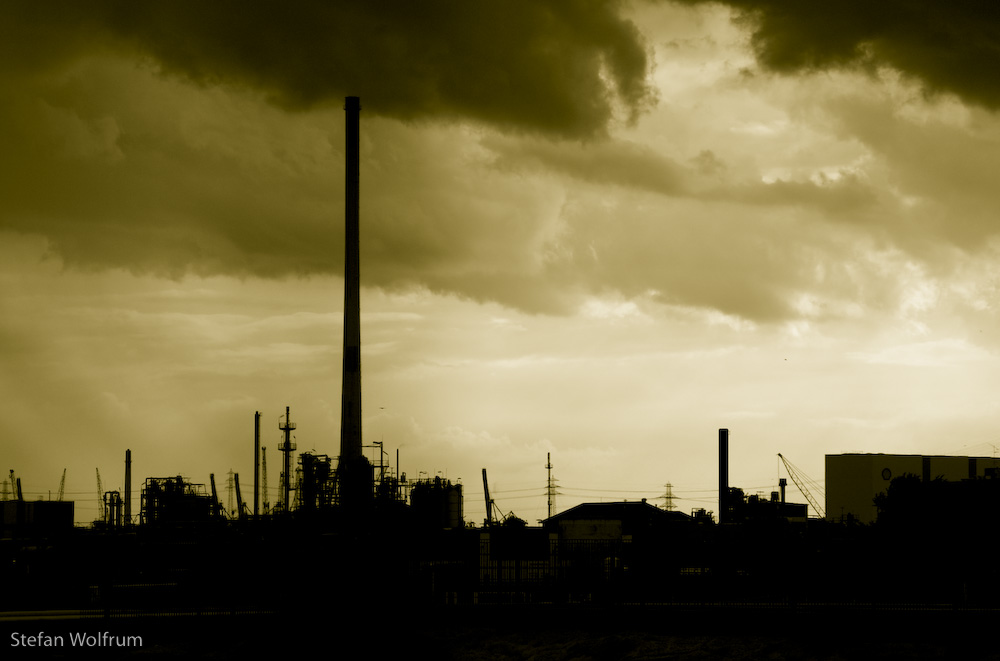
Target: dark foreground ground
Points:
(394, 630)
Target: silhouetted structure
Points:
(614, 520)
(287, 447)
(437, 503)
(20, 518)
(723, 475)
(174, 500)
(853, 481)
(128, 487)
(317, 486)
(354, 470)
(743, 508)
(256, 464)
(113, 508)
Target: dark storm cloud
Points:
(135, 135)
(119, 166)
(949, 46)
(556, 68)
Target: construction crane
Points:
(241, 507)
(62, 486)
(491, 507)
(100, 494)
(489, 501)
(217, 508)
(800, 479)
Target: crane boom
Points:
(240, 505)
(489, 503)
(800, 479)
(100, 494)
(62, 486)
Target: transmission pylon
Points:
(668, 498)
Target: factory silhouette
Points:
(894, 532)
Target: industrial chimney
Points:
(355, 473)
(723, 475)
(128, 488)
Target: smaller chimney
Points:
(128, 488)
(723, 475)
(256, 463)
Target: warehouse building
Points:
(853, 480)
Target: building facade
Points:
(853, 480)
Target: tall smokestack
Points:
(256, 463)
(355, 472)
(723, 474)
(128, 487)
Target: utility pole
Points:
(550, 489)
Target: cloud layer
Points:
(950, 47)
(552, 68)
(177, 138)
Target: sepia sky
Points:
(600, 230)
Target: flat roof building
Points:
(853, 480)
